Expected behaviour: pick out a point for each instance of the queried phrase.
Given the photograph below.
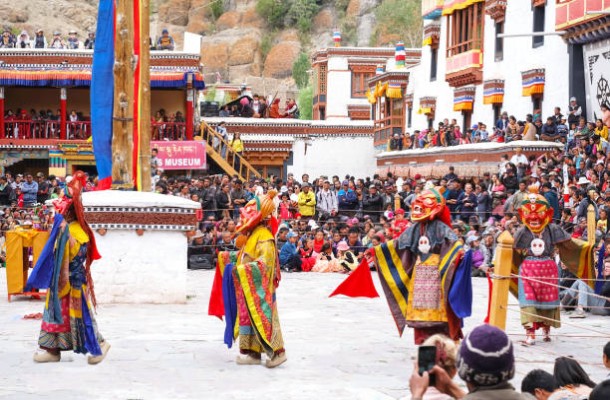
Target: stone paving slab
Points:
(337, 348)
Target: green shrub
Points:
(300, 70)
(305, 102)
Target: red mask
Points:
(535, 212)
(427, 205)
(249, 217)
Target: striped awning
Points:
(493, 91)
(81, 77)
(463, 98)
(454, 5)
(532, 81)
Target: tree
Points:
(305, 102)
(399, 18)
(273, 11)
(300, 70)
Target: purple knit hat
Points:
(486, 357)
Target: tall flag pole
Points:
(124, 64)
(102, 93)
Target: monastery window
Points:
(465, 29)
(539, 16)
(322, 79)
(410, 116)
(499, 50)
(360, 77)
(433, 63)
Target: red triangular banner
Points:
(358, 284)
(216, 306)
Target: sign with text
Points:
(180, 155)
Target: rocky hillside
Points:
(244, 41)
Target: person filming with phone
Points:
(485, 361)
(441, 351)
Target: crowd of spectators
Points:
(556, 128)
(39, 40)
(44, 124)
(485, 362)
(58, 41)
(260, 107)
(171, 126)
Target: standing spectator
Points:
(6, 192)
(467, 203)
(90, 41)
(451, 176)
(326, 202)
(372, 204)
(40, 42)
(553, 199)
(43, 188)
(307, 202)
(238, 148)
(73, 42)
(519, 160)
(7, 41)
(223, 202)
(165, 42)
(238, 196)
(347, 198)
(208, 198)
(30, 191)
(57, 42)
(452, 196)
(574, 112)
(484, 202)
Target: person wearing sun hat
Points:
(64, 267)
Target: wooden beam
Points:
(502, 269)
(122, 125)
(145, 129)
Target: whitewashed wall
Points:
(339, 90)
(141, 269)
(518, 56)
(334, 156)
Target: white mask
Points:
(424, 245)
(537, 247)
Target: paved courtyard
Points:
(337, 348)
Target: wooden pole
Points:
(591, 225)
(145, 133)
(499, 295)
(122, 125)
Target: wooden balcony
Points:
(464, 68)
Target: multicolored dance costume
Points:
(533, 261)
(64, 268)
(424, 273)
(249, 279)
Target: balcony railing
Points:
(45, 129)
(168, 130)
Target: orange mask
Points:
(427, 205)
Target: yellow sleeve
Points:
(80, 237)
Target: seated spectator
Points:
(292, 110)
(540, 384)
(326, 261)
(165, 42)
(290, 258)
(347, 259)
(571, 378)
(226, 243)
(587, 298)
(486, 363)
(549, 131)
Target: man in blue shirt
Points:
(29, 188)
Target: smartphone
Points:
(426, 359)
